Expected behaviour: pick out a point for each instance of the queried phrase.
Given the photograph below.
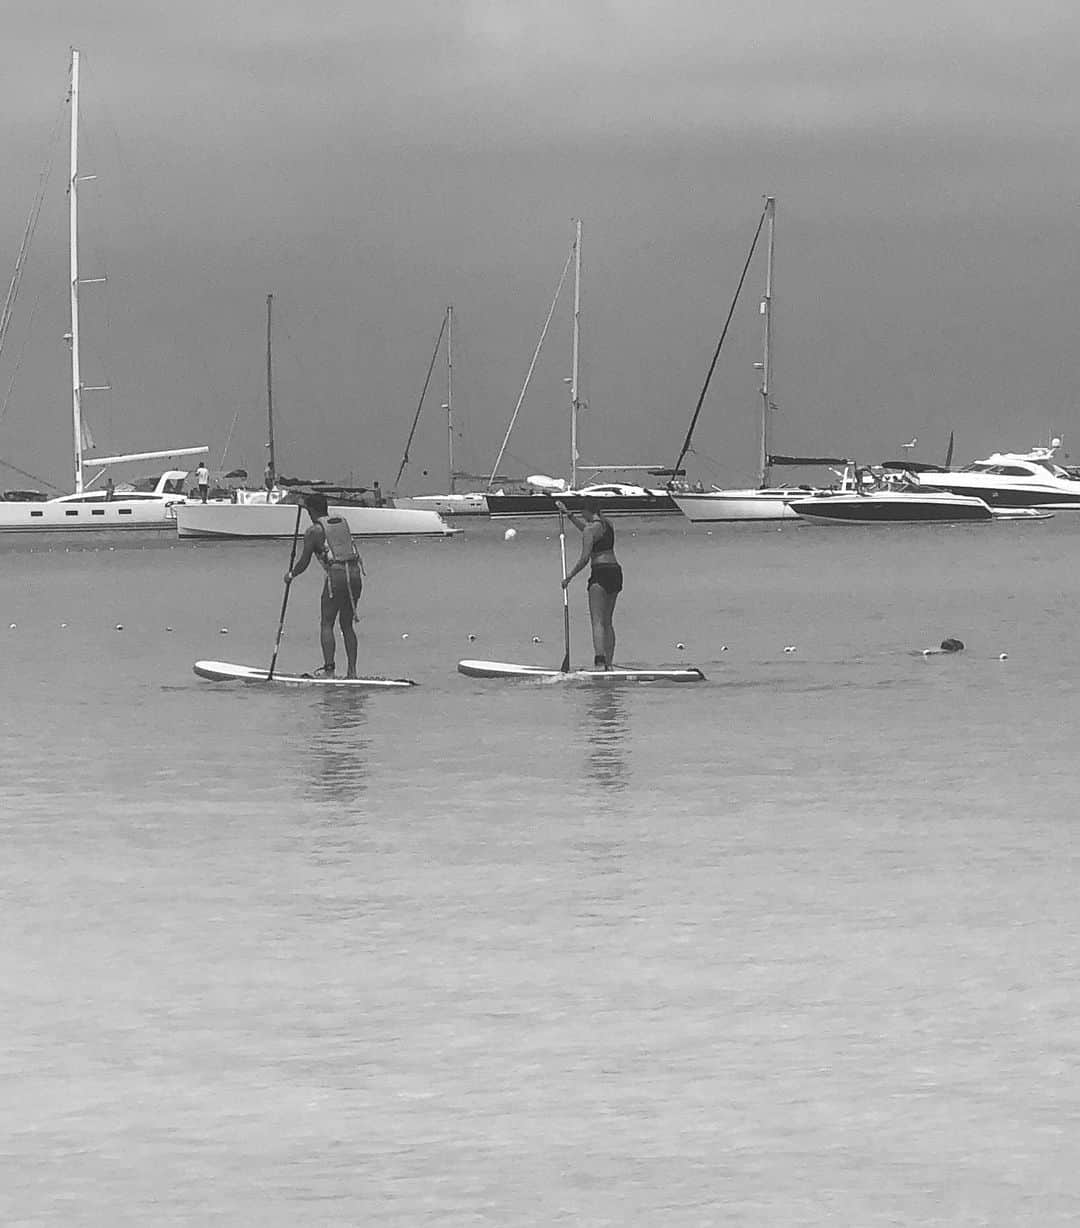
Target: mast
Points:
(73, 247)
(271, 463)
(766, 363)
(575, 403)
(450, 395)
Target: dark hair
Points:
(315, 504)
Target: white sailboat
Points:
(617, 498)
(271, 512)
(471, 503)
(148, 504)
(765, 502)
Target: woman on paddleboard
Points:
(605, 576)
(328, 539)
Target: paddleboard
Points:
(222, 671)
(620, 673)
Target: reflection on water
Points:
(339, 744)
(606, 733)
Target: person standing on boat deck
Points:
(202, 480)
(605, 576)
(328, 539)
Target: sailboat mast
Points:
(575, 403)
(271, 462)
(766, 363)
(73, 247)
(450, 395)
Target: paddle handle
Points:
(565, 667)
(285, 595)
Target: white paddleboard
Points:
(222, 671)
(619, 673)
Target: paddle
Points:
(565, 667)
(285, 596)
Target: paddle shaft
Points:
(565, 667)
(285, 595)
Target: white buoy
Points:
(12, 627)
(723, 647)
(537, 640)
(680, 647)
(471, 637)
(62, 626)
(119, 626)
(168, 628)
(509, 535)
(1003, 656)
(405, 635)
(790, 648)
(224, 631)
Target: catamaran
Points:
(148, 504)
(271, 512)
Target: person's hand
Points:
(560, 505)
(288, 577)
(566, 582)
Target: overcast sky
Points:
(370, 162)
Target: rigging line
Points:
(420, 403)
(23, 473)
(18, 362)
(720, 343)
(532, 365)
(28, 235)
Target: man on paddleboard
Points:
(605, 576)
(328, 539)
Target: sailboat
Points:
(271, 512)
(616, 498)
(148, 504)
(766, 501)
(472, 503)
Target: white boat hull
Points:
(445, 505)
(117, 515)
(721, 505)
(226, 521)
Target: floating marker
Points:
(509, 535)
(62, 626)
(168, 628)
(537, 640)
(119, 626)
(12, 627)
(681, 647)
(790, 648)
(1003, 656)
(723, 647)
(224, 631)
(405, 635)
(471, 637)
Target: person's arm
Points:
(571, 516)
(588, 536)
(310, 545)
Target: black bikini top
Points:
(606, 540)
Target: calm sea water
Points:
(794, 946)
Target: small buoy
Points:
(928, 652)
(789, 648)
(509, 535)
(537, 640)
(168, 628)
(405, 635)
(471, 637)
(62, 626)
(119, 626)
(12, 627)
(723, 647)
(224, 631)
(1003, 656)
(681, 647)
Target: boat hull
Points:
(890, 508)
(114, 516)
(618, 673)
(1005, 494)
(445, 505)
(723, 505)
(541, 504)
(233, 521)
